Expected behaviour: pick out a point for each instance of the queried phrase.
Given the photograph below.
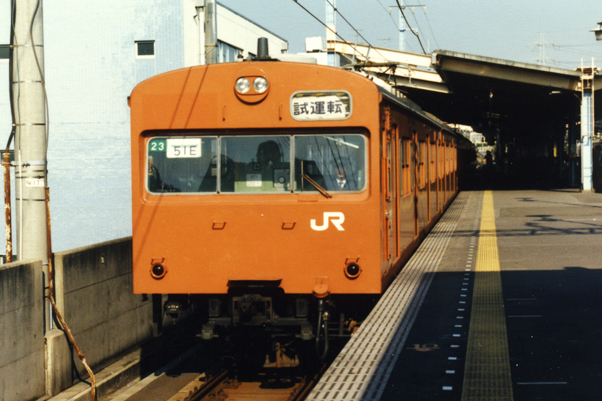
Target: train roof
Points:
(394, 96)
(387, 91)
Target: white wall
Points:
(232, 28)
(91, 68)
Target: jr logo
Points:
(337, 219)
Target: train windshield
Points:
(257, 164)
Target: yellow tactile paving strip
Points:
(487, 372)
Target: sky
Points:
(554, 32)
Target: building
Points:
(94, 56)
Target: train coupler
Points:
(282, 358)
(208, 332)
(307, 331)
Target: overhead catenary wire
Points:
(336, 33)
(416, 19)
(564, 51)
(408, 23)
(394, 22)
(389, 12)
(348, 23)
(429, 24)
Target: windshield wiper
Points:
(342, 142)
(317, 186)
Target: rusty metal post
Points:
(57, 313)
(7, 207)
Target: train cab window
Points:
(256, 164)
(333, 163)
(181, 164)
(259, 164)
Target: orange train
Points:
(268, 190)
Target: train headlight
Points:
(252, 85)
(242, 85)
(260, 84)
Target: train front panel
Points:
(256, 174)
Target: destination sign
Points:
(316, 106)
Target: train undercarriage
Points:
(274, 329)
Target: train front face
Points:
(255, 185)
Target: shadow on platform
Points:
(553, 323)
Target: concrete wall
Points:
(94, 294)
(21, 331)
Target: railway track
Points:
(222, 386)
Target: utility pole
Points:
(199, 5)
(331, 28)
(402, 25)
(402, 29)
(29, 104)
(29, 100)
(211, 52)
(542, 50)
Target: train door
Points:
(439, 174)
(390, 188)
(443, 171)
(405, 199)
(395, 190)
(427, 176)
(415, 167)
(454, 165)
(432, 182)
(448, 174)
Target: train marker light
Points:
(158, 271)
(352, 271)
(242, 85)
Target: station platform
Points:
(502, 301)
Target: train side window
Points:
(440, 161)
(432, 156)
(413, 163)
(405, 170)
(179, 164)
(422, 164)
